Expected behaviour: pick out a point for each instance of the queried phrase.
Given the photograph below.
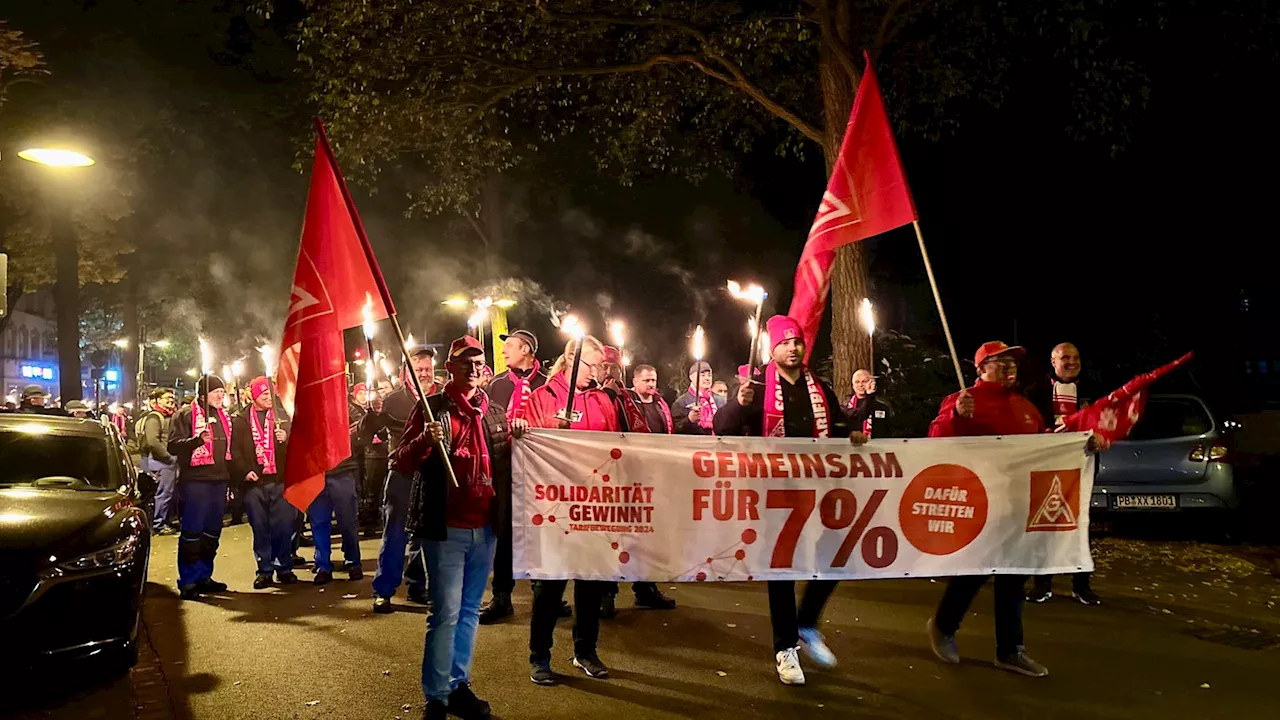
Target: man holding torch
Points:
(571, 399)
(695, 411)
(793, 403)
(258, 462)
(201, 440)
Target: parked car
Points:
(75, 537)
(1176, 458)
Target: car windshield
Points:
(35, 455)
(1171, 418)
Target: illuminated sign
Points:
(36, 372)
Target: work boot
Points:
(190, 592)
(287, 577)
(464, 704)
(262, 582)
(498, 608)
(209, 585)
(383, 606)
(651, 597)
(324, 577)
(608, 606)
(355, 572)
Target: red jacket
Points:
(997, 410)
(598, 411)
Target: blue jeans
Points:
(391, 567)
(339, 501)
(203, 504)
(166, 485)
(271, 517)
(457, 571)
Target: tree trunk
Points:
(67, 298)
(130, 375)
(850, 346)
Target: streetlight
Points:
(485, 308)
(66, 273)
(56, 157)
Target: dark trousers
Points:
(547, 595)
(235, 504)
(503, 582)
(782, 609)
(1079, 581)
(1008, 608)
(203, 504)
(272, 519)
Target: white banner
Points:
(604, 506)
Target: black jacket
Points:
(734, 419)
(872, 408)
(181, 445)
(501, 388)
(389, 424)
(429, 496)
(361, 434)
(680, 414)
(244, 456)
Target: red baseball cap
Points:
(994, 348)
(612, 355)
(357, 388)
(464, 346)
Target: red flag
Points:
(866, 195)
(1115, 415)
(335, 276)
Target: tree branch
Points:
(884, 34)
(831, 37)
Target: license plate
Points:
(1145, 502)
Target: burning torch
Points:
(617, 332)
(757, 295)
(370, 387)
(571, 326)
(206, 369)
(868, 319)
(270, 372)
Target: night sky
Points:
(1136, 254)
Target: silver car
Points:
(1175, 459)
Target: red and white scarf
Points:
(264, 440)
(520, 395)
(853, 405)
(775, 409)
(203, 455)
(706, 406)
(631, 412)
(470, 452)
(1065, 399)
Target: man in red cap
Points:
(257, 460)
(632, 419)
(591, 410)
(794, 403)
(455, 523)
(993, 406)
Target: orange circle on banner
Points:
(943, 509)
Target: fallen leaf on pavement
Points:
(731, 625)
(236, 683)
(406, 706)
(386, 673)
(722, 673)
(1204, 686)
(350, 596)
(312, 703)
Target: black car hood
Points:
(57, 520)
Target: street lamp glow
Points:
(505, 303)
(54, 157)
(456, 303)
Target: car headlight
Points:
(113, 556)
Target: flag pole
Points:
(382, 290)
(937, 298)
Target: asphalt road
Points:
(1210, 649)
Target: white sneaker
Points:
(815, 646)
(789, 671)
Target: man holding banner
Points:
(795, 403)
(991, 407)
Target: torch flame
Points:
(476, 318)
(237, 369)
(387, 369)
(751, 327)
(409, 343)
(617, 331)
(206, 358)
(867, 317)
(368, 316)
(226, 371)
(267, 354)
(753, 293)
(699, 344)
(570, 325)
(766, 349)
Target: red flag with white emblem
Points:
(1114, 416)
(335, 277)
(866, 195)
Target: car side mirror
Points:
(147, 485)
